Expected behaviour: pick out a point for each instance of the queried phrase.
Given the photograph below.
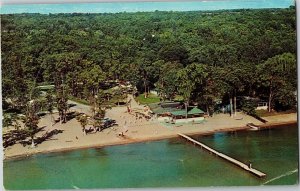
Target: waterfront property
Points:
(175, 112)
(193, 114)
(260, 104)
(77, 85)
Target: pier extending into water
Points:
(229, 159)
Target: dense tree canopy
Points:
(201, 55)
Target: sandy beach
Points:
(137, 130)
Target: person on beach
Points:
(128, 109)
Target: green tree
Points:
(276, 73)
(234, 77)
(31, 119)
(211, 88)
(167, 82)
(188, 79)
(62, 102)
(83, 120)
(50, 104)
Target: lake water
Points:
(167, 163)
(142, 6)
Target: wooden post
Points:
(231, 109)
(234, 105)
(186, 110)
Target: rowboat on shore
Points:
(252, 127)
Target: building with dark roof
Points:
(174, 112)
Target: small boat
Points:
(252, 127)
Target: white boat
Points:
(252, 127)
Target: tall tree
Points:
(50, 105)
(167, 82)
(276, 73)
(62, 102)
(83, 120)
(188, 79)
(31, 119)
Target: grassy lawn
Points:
(150, 99)
(265, 113)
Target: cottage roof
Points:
(158, 109)
(195, 110)
(173, 108)
(192, 111)
(179, 113)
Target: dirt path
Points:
(133, 103)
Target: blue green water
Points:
(167, 163)
(143, 6)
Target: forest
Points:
(202, 56)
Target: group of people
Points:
(137, 116)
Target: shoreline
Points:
(149, 139)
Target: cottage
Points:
(262, 105)
(175, 112)
(194, 114)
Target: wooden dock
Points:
(229, 159)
